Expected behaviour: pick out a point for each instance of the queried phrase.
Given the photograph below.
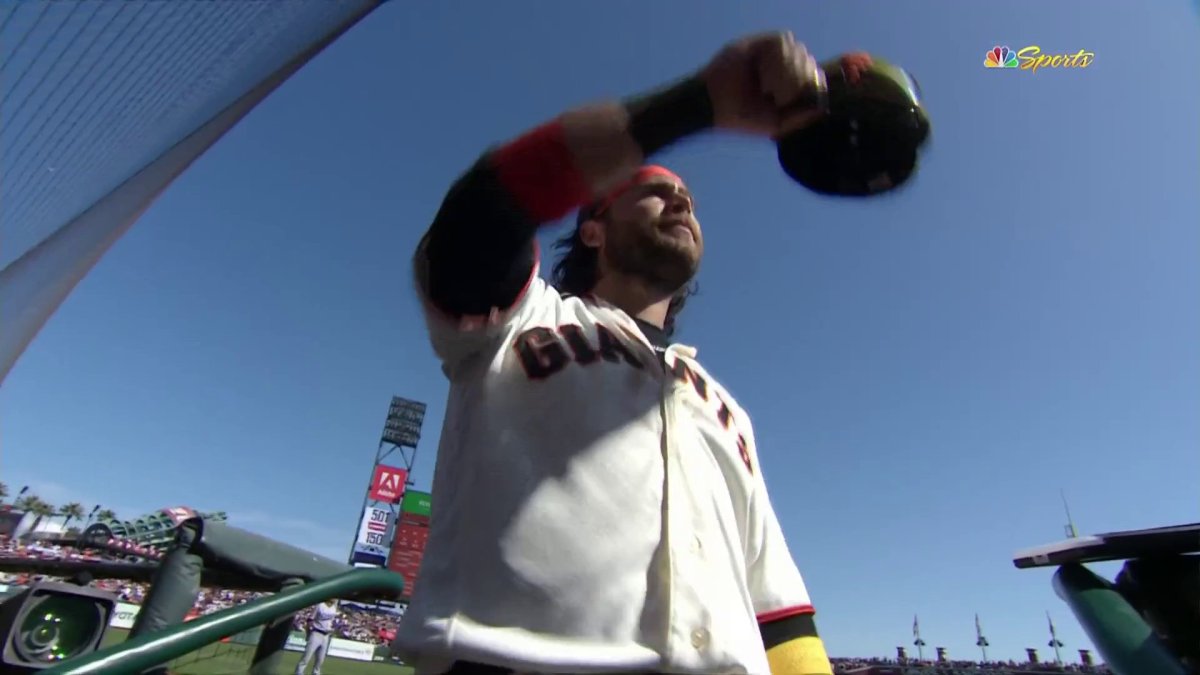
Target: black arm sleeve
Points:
(778, 632)
(480, 247)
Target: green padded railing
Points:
(1127, 643)
(148, 651)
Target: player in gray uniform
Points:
(320, 629)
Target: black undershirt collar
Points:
(656, 335)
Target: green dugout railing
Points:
(1128, 644)
(1146, 621)
(149, 651)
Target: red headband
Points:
(643, 175)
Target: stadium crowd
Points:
(353, 623)
(366, 625)
(42, 550)
(850, 665)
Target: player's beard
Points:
(643, 251)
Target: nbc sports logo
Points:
(1000, 57)
(1033, 59)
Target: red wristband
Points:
(539, 172)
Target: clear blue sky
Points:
(925, 371)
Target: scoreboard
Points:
(411, 534)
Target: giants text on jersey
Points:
(600, 507)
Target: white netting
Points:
(93, 90)
(104, 102)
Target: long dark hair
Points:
(577, 271)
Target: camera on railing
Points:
(50, 622)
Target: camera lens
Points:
(58, 628)
(44, 636)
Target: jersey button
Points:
(700, 638)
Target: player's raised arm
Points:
(479, 256)
(478, 260)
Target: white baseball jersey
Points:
(600, 507)
(323, 617)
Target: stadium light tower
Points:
(1054, 643)
(980, 640)
(401, 432)
(1070, 527)
(917, 641)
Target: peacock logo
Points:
(1033, 59)
(1000, 57)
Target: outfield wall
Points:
(127, 613)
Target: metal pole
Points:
(363, 509)
(1071, 532)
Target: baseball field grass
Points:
(228, 659)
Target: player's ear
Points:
(591, 233)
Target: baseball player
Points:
(601, 508)
(320, 627)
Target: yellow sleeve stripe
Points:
(799, 656)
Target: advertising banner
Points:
(417, 503)
(126, 614)
(373, 531)
(387, 484)
(351, 649)
(366, 559)
(338, 648)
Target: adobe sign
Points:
(387, 485)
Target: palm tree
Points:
(71, 511)
(27, 503)
(105, 515)
(3, 492)
(41, 510)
